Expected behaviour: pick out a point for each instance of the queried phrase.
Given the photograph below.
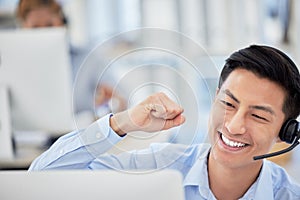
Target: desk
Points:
(27, 146)
(23, 158)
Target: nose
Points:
(236, 123)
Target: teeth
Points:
(232, 143)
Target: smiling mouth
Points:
(231, 143)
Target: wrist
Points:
(116, 126)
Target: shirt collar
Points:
(198, 176)
(264, 188)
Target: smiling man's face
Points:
(246, 118)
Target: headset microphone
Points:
(289, 133)
(277, 152)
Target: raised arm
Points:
(83, 149)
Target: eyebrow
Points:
(257, 107)
(264, 108)
(227, 92)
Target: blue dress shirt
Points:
(87, 149)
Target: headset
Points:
(289, 133)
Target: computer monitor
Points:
(92, 185)
(36, 73)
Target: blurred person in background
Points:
(40, 13)
(49, 13)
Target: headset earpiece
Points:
(289, 131)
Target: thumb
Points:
(170, 123)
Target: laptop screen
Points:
(91, 185)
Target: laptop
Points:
(91, 185)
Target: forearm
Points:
(77, 150)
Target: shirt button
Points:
(98, 135)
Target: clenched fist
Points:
(157, 112)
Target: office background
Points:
(220, 27)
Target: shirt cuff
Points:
(99, 136)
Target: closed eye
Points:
(227, 104)
(259, 117)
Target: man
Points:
(259, 89)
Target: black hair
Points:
(270, 63)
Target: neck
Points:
(231, 183)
